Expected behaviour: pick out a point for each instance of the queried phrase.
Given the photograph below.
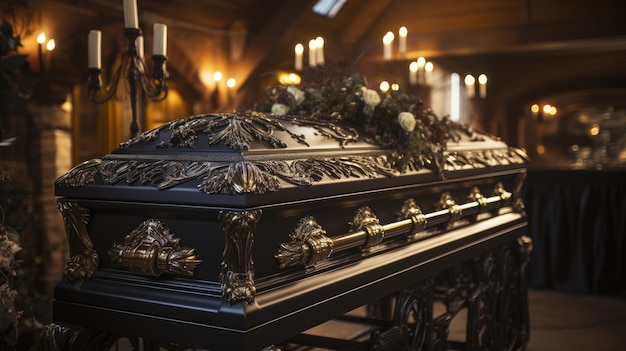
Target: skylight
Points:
(328, 8)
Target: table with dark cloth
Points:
(577, 221)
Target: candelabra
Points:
(133, 70)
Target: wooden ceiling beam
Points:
(264, 41)
(370, 13)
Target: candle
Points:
(94, 44)
(312, 53)
(402, 41)
(413, 68)
(131, 19)
(482, 81)
(387, 41)
(139, 45)
(428, 69)
(299, 49)
(469, 85)
(160, 39)
(319, 50)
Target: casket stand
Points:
(242, 231)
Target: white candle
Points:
(482, 81)
(469, 85)
(299, 50)
(94, 44)
(387, 41)
(319, 50)
(131, 18)
(428, 69)
(312, 53)
(402, 41)
(413, 68)
(160, 39)
(139, 45)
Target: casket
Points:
(241, 231)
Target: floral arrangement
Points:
(391, 120)
(10, 313)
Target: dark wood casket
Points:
(241, 231)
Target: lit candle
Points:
(94, 44)
(482, 81)
(298, 60)
(319, 50)
(420, 64)
(160, 39)
(469, 85)
(428, 69)
(312, 53)
(402, 41)
(413, 68)
(387, 41)
(131, 18)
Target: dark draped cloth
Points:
(577, 221)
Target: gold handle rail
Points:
(309, 244)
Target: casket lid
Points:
(251, 159)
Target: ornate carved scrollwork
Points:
(84, 259)
(151, 249)
(80, 175)
(237, 274)
(309, 245)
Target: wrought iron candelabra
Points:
(133, 70)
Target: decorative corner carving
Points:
(366, 220)
(308, 246)
(151, 249)
(80, 175)
(84, 259)
(410, 210)
(447, 202)
(237, 274)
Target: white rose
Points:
(370, 96)
(297, 94)
(407, 121)
(280, 109)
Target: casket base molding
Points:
(481, 266)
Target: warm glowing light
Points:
(319, 42)
(231, 82)
(413, 67)
(482, 79)
(51, 45)
(206, 77)
(403, 31)
(41, 38)
(428, 67)
(388, 38)
(594, 130)
(547, 108)
(217, 76)
(455, 97)
(289, 79)
(395, 86)
(541, 149)
(469, 79)
(552, 111)
(384, 86)
(534, 108)
(421, 62)
(299, 49)
(312, 44)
